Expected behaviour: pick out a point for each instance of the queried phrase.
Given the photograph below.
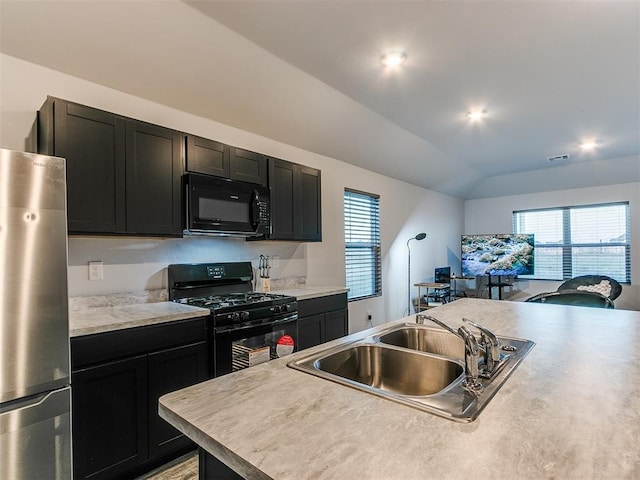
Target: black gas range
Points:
(248, 327)
(242, 307)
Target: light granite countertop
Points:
(105, 319)
(571, 410)
(305, 292)
(104, 313)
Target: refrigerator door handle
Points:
(37, 427)
(22, 414)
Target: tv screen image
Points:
(498, 254)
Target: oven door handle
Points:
(287, 319)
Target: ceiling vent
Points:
(558, 157)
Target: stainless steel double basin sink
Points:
(416, 365)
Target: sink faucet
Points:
(420, 318)
(471, 351)
(491, 346)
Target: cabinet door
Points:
(295, 201)
(248, 166)
(207, 156)
(283, 198)
(335, 325)
(171, 370)
(310, 331)
(109, 418)
(309, 204)
(93, 143)
(154, 167)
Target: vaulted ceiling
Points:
(548, 74)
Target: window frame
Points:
(567, 246)
(375, 256)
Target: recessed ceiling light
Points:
(476, 115)
(393, 59)
(588, 145)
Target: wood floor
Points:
(182, 468)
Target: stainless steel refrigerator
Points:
(35, 396)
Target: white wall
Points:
(133, 264)
(493, 215)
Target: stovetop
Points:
(225, 289)
(237, 301)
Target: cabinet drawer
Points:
(101, 347)
(314, 306)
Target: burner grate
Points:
(235, 300)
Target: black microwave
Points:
(219, 206)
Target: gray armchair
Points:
(573, 297)
(601, 284)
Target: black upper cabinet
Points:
(154, 168)
(309, 204)
(283, 199)
(207, 156)
(93, 144)
(295, 201)
(123, 176)
(215, 158)
(248, 166)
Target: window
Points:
(584, 240)
(362, 244)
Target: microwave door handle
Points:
(205, 222)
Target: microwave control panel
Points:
(263, 209)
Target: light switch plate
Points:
(95, 271)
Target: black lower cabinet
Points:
(322, 319)
(169, 371)
(310, 331)
(117, 432)
(335, 325)
(109, 418)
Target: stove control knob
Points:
(285, 308)
(275, 309)
(235, 316)
(244, 315)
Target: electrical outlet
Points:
(369, 316)
(95, 271)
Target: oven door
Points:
(218, 206)
(244, 345)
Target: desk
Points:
(429, 286)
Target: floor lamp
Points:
(420, 236)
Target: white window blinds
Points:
(362, 244)
(582, 240)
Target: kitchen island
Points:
(570, 410)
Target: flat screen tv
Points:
(499, 254)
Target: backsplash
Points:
(140, 264)
(289, 282)
(117, 299)
(159, 295)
